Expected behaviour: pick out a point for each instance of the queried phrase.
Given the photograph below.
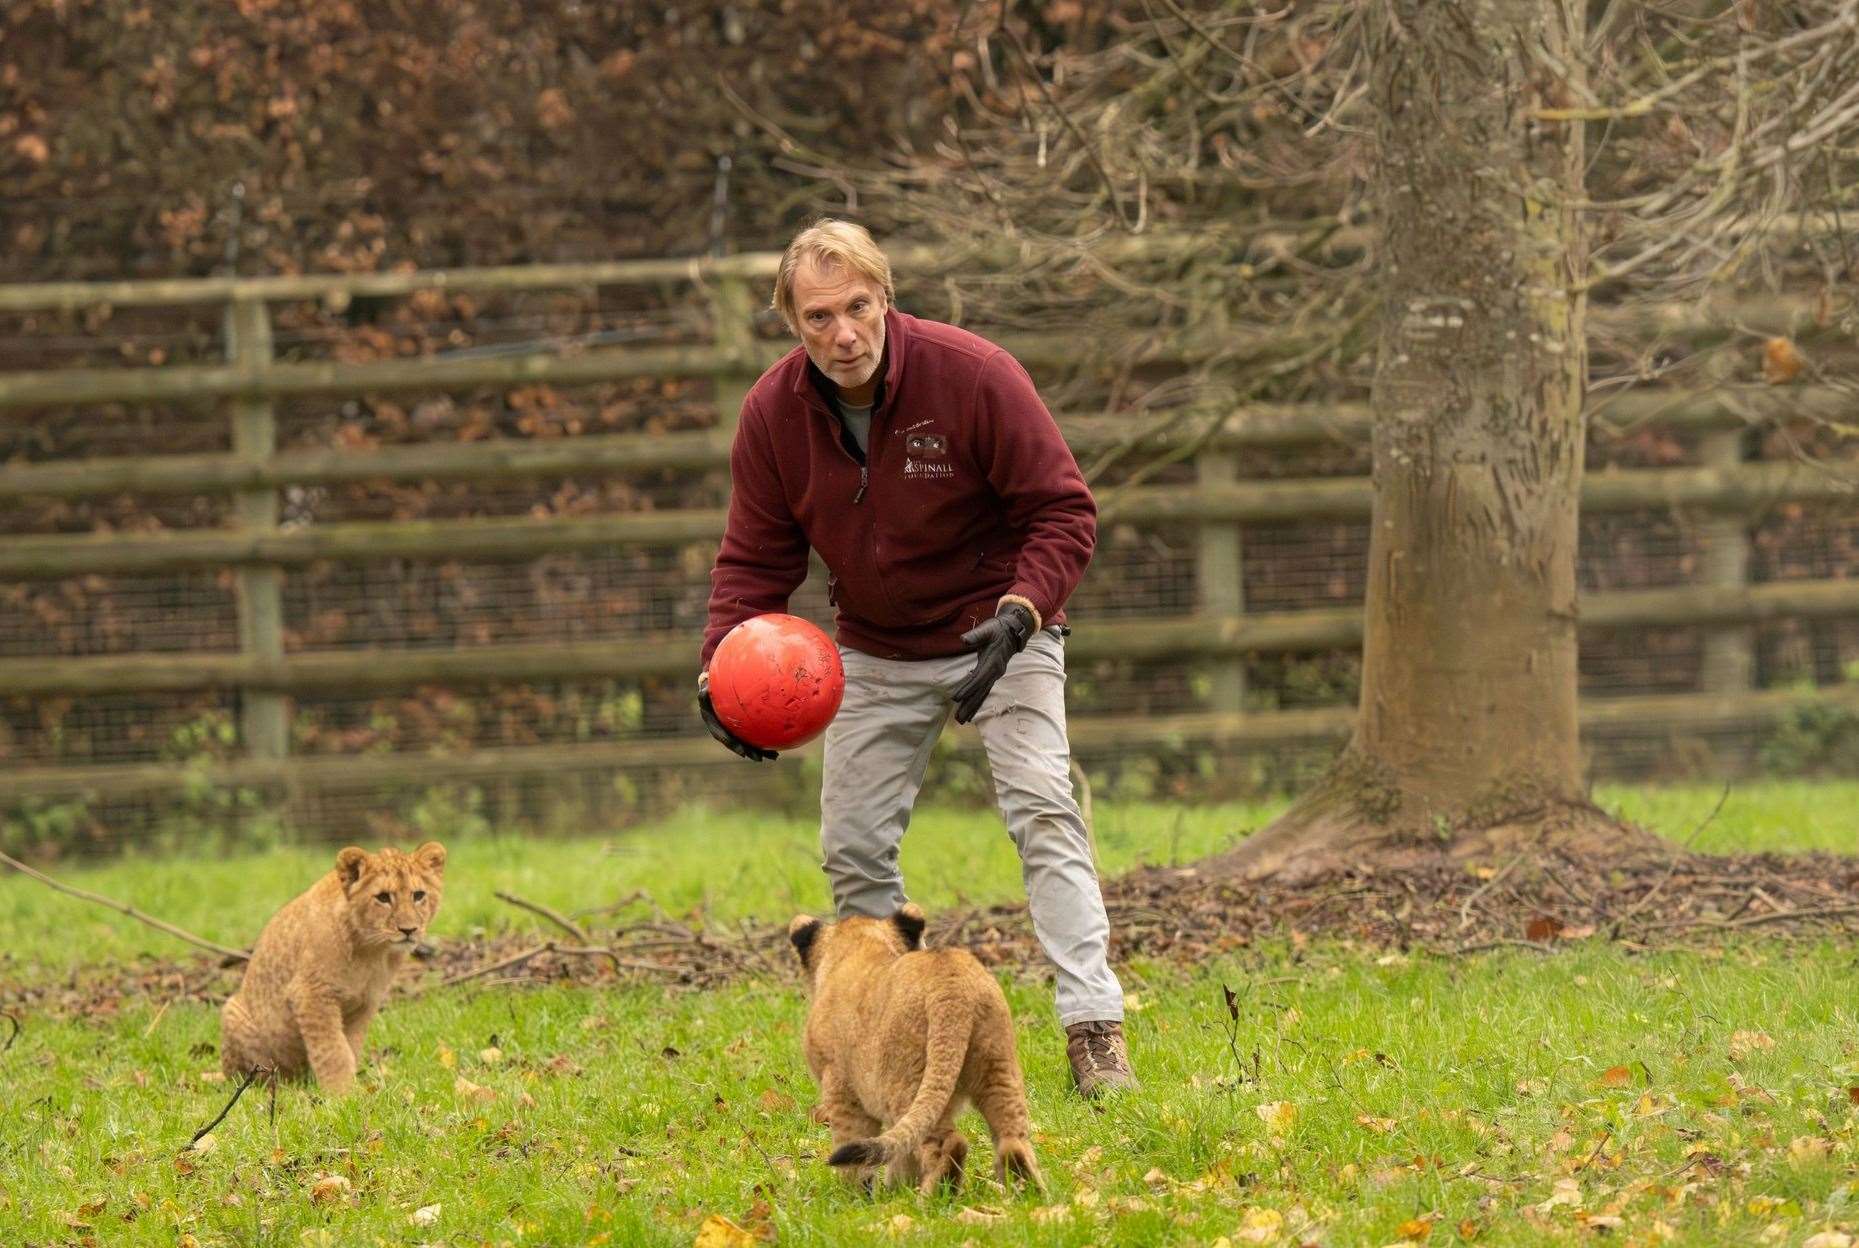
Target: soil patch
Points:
(1172, 914)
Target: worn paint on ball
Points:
(776, 681)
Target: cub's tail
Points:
(945, 1050)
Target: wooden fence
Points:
(1221, 632)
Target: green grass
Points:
(1416, 1089)
(1358, 1094)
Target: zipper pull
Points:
(863, 478)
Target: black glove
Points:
(998, 640)
(731, 742)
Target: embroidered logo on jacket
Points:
(927, 455)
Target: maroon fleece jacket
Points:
(969, 493)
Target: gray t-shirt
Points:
(858, 420)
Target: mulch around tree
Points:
(1175, 915)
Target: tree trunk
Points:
(1466, 740)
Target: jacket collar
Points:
(813, 387)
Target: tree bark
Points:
(1466, 738)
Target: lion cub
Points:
(324, 963)
(900, 1038)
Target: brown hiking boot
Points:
(1100, 1060)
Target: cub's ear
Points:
(349, 864)
(802, 932)
(431, 855)
(910, 922)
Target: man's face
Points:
(841, 318)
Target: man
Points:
(918, 460)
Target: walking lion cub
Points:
(324, 963)
(900, 1038)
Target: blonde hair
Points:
(830, 242)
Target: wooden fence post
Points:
(264, 721)
(1220, 587)
(1729, 663)
(732, 305)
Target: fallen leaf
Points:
(1415, 1229)
(205, 1144)
(1383, 1125)
(1616, 1077)
(1743, 1043)
(330, 1189)
(1852, 1094)
(447, 1058)
(719, 1232)
(1805, 1149)
(1828, 1239)
(425, 1215)
(1260, 1226)
(490, 1056)
(1047, 1214)
(212, 1076)
(1566, 1192)
(1782, 361)
(774, 1102)
(1543, 927)
(1277, 1115)
(974, 1216)
(1469, 1230)
(472, 1091)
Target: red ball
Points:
(776, 681)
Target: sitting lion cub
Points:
(900, 1038)
(324, 963)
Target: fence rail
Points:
(1221, 631)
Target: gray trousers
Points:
(877, 750)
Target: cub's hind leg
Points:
(1001, 1098)
(849, 1122)
(235, 1038)
(942, 1159)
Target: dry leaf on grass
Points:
(330, 1189)
(719, 1232)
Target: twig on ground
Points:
(237, 1092)
(566, 951)
(1465, 917)
(1607, 1133)
(242, 955)
(1812, 912)
(553, 916)
(12, 1035)
(156, 1021)
(513, 960)
(1678, 856)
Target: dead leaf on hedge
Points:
(1782, 361)
(719, 1232)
